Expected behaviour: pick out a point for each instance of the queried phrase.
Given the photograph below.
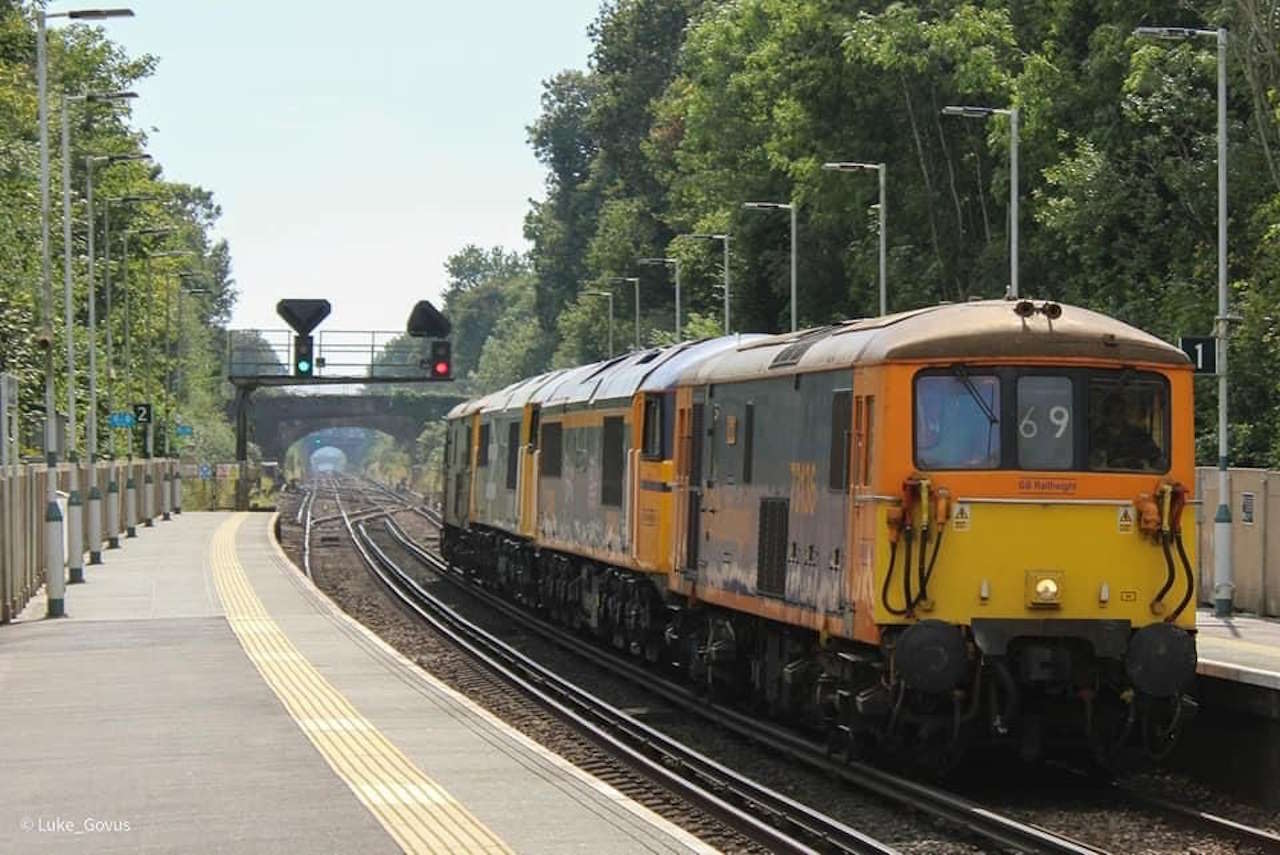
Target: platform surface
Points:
(1239, 648)
(203, 696)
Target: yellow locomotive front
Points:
(1034, 536)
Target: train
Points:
(953, 525)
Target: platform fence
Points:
(22, 514)
(1255, 537)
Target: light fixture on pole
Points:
(724, 239)
(968, 112)
(609, 295)
(783, 206)
(879, 169)
(634, 280)
(54, 572)
(166, 389)
(128, 316)
(106, 280)
(91, 414)
(669, 262)
(68, 305)
(1223, 572)
(181, 384)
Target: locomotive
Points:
(957, 523)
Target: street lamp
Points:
(106, 224)
(88, 97)
(1223, 576)
(669, 262)
(879, 168)
(609, 295)
(783, 206)
(54, 579)
(1012, 113)
(113, 485)
(167, 387)
(634, 280)
(183, 347)
(91, 416)
(128, 314)
(725, 240)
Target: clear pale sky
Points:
(352, 147)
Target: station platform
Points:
(203, 696)
(1241, 649)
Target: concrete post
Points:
(166, 493)
(95, 516)
(113, 509)
(130, 505)
(177, 488)
(148, 496)
(75, 528)
(55, 574)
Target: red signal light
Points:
(441, 360)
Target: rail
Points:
(733, 798)
(952, 809)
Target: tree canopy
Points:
(689, 108)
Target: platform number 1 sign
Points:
(1202, 350)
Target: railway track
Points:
(968, 817)
(765, 815)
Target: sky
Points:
(352, 148)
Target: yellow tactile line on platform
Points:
(417, 812)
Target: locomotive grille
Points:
(771, 556)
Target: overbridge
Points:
(278, 421)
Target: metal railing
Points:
(353, 354)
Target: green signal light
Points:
(303, 366)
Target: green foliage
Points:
(176, 359)
(691, 108)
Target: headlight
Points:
(1044, 588)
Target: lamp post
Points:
(91, 415)
(669, 262)
(128, 324)
(879, 169)
(1012, 112)
(54, 580)
(724, 239)
(1223, 575)
(783, 206)
(166, 394)
(88, 97)
(634, 280)
(106, 224)
(609, 295)
(148, 480)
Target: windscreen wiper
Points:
(973, 393)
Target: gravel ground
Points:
(1055, 802)
(337, 570)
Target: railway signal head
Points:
(304, 362)
(441, 362)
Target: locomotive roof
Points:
(959, 331)
(652, 369)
